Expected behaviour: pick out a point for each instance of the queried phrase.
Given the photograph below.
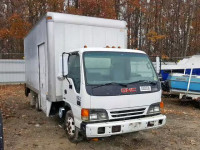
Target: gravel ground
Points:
(27, 129)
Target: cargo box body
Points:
(57, 33)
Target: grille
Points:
(127, 113)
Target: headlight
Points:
(154, 89)
(154, 109)
(94, 114)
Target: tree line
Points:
(166, 28)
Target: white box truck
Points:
(79, 68)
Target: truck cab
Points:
(109, 91)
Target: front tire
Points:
(71, 130)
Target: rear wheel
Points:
(37, 105)
(32, 99)
(71, 130)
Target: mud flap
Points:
(48, 108)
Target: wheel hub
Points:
(70, 126)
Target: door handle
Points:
(70, 86)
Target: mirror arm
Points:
(68, 80)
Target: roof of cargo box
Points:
(110, 50)
(84, 20)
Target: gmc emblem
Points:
(128, 90)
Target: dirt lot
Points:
(25, 128)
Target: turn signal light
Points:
(95, 139)
(161, 105)
(85, 114)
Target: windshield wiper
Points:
(143, 81)
(111, 83)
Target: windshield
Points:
(117, 67)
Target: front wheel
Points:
(71, 130)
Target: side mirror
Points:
(65, 57)
(160, 77)
(158, 65)
(63, 66)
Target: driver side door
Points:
(71, 85)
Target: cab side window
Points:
(74, 70)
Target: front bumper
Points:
(125, 126)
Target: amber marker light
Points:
(85, 114)
(95, 139)
(161, 105)
(49, 18)
(85, 46)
